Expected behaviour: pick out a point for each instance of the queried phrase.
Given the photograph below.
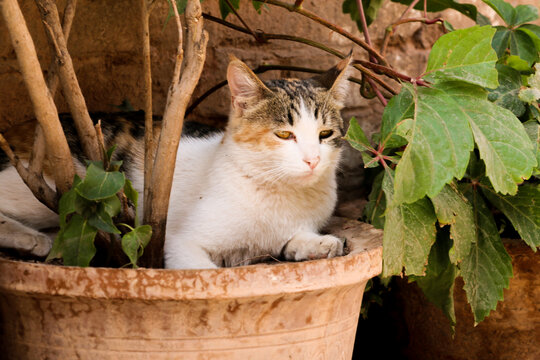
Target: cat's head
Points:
(287, 130)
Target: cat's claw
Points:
(311, 246)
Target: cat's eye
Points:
(285, 135)
(325, 134)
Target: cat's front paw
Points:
(311, 246)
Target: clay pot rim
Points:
(167, 284)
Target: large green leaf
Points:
(100, 184)
(488, 267)
(409, 232)
(453, 209)
(522, 209)
(376, 206)
(506, 95)
(438, 284)
(464, 55)
(501, 139)
(399, 108)
(440, 5)
(440, 142)
(78, 242)
(134, 242)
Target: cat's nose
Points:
(312, 162)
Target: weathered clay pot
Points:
(305, 310)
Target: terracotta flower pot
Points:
(306, 310)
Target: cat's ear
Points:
(335, 79)
(246, 87)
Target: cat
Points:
(263, 187)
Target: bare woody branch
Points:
(155, 211)
(38, 149)
(149, 146)
(42, 101)
(34, 181)
(72, 91)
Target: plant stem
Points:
(391, 72)
(71, 89)
(37, 156)
(42, 101)
(335, 28)
(149, 148)
(363, 21)
(155, 210)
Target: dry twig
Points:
(155, 210)
(72, 91)
(42, 101)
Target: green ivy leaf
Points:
(356, 137)
(100, 219)
(66, 205)
(439, 146)
(501, 40)
(438, 284)
(523, 46)
(504, 9)
(499, 136)
(453, 209)
(409, 232)
(225, 9)
(525, 14)
(515, 62)
(399, 108)
(376, 206)
(464, 55)
(111, 205)
(488, 267)
(522, 209)
(532, 128)
(100, 184)
(534, 33)
(131, 193)
(134, 242)
(78, 242)
(257, 6)
(506, 95)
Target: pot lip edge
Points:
(341, 271)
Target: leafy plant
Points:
(90, 207)
(465, 144)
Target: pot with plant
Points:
(300, 309)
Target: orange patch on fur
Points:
(255, 136)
